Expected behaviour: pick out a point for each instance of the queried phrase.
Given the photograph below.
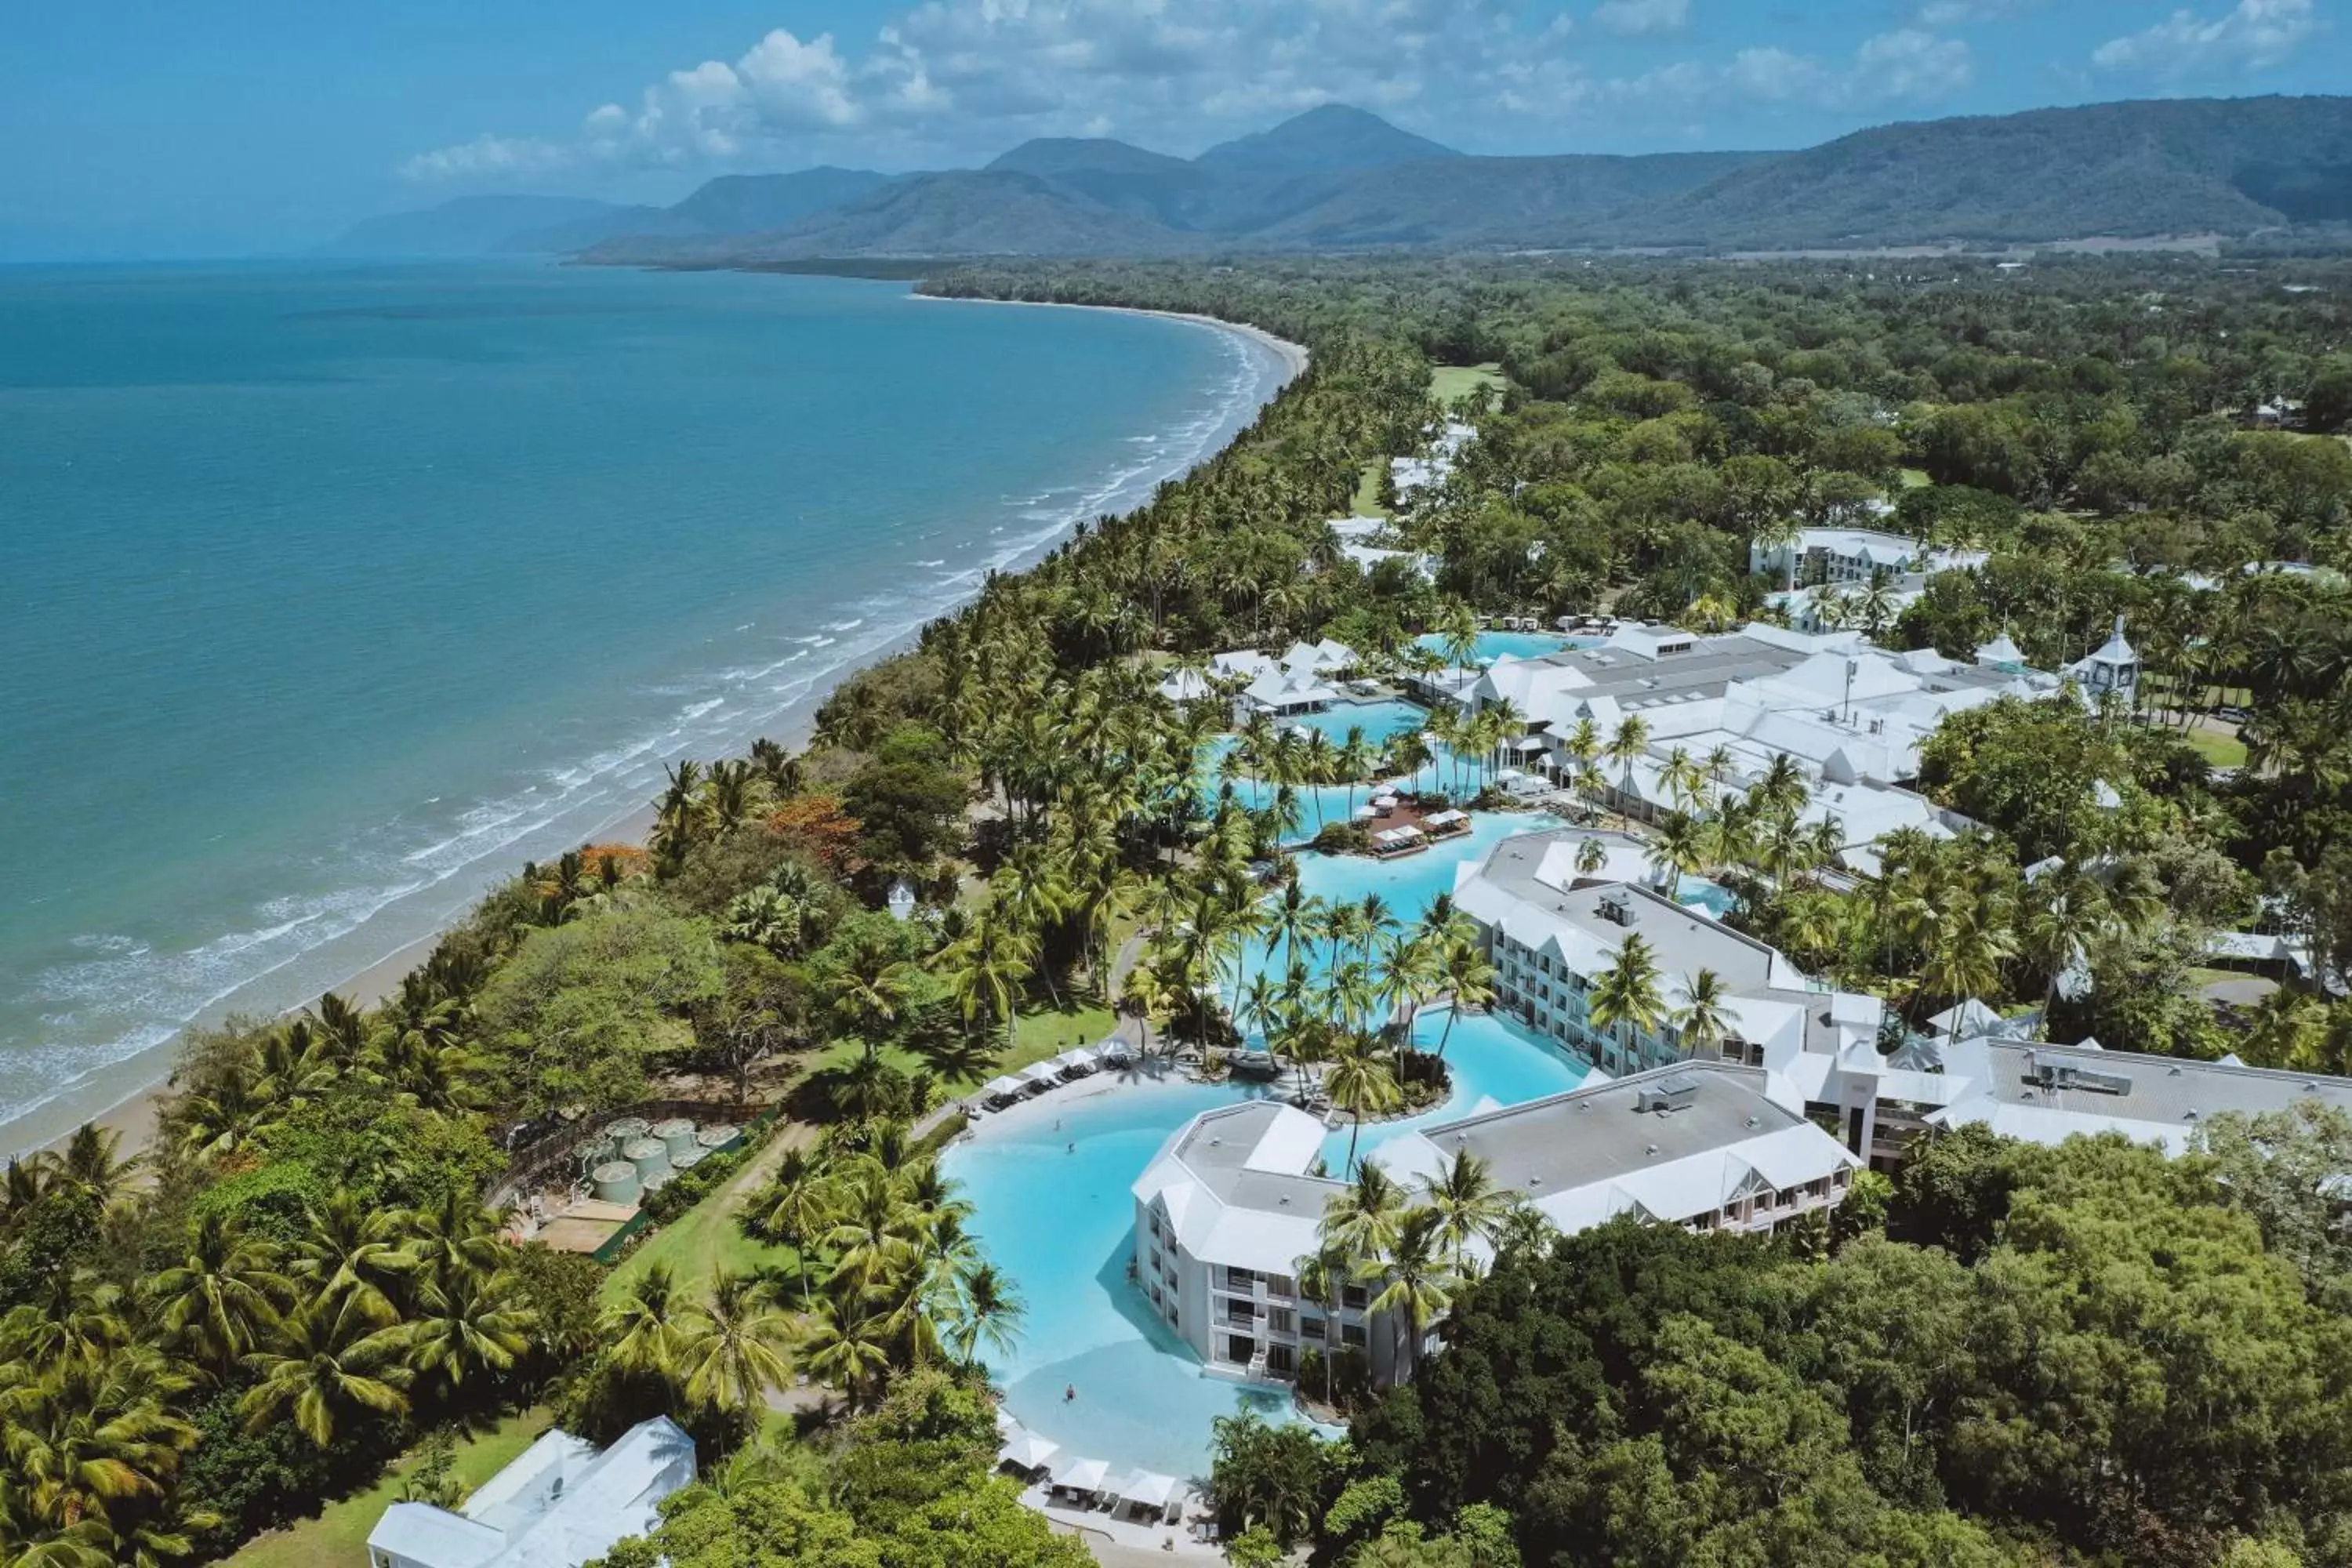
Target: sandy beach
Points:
(138, 1085)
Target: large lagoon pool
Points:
(1493, 645)
(1049, 1182)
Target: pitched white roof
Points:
(560, 1504)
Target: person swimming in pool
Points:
(1069, 1393)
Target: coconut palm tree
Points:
(795, 1206)
(1323, 1278)
(1625, 747)
(643, 1328)
(734, 1345)
(1468, 976)
(1359, 1083)
(1360, 1223)
(325, 1369)
(1420, 1286)
(1625, 998)
(222, 1297)
(91, 1163)
(1700, 1015)
(988, 1312)
(353, 1258)
(464, 1322)
(987, 968)
(91, 1442)
(848, 1347)
(1469, 1206)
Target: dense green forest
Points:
(2086, 1355)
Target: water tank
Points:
(686, 1159)
(598, 1150)
(650, 1156)
(713, 1139)
(616, 1183)
(677, 1132)
(625, 1129)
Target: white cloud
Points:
(947, 78)
(1640, 18)
(2252, 36)
(1964, 13)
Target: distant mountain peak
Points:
(1328, 138)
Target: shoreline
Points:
(135, 1115)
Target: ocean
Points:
(329, 593)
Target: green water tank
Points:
(686, 1159)
(625, 1130)
(677, 1132)
(614, 1182)
(650, 1156)
(713, 1139)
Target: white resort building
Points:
(1854, 555)
(1233, 1203)
(1221, 1217)
(1851, 716)
(1305, 679)
(560, 1504)
(1552, 932)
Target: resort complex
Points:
(1701, 977)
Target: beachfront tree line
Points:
(2012, 1355)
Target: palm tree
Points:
(1700, 1014)
(90, 1164)
(874, 1231)
(642, 1330)
(987, 967)
(1360, 1223)
(733, 1347)
(325, 1368)
(465, 1322)
(91, 1442)
(795, 1205)
(1469, 977)
(223, 1295)
(847, 1347)
(1625, 998)
(1420, 1286)
(1469, 1206)
(352, 1258)
(1677, 849)
(1323, 1278)
(1625, 747)
(988, 1312)
(1361, 1084)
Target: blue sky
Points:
(148, 128)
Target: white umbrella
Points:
(998, 1087)
(1028, 1451)
(1082, 1476)
(1146, 1489)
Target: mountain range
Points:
(1337, 178)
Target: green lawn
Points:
(1038, 1034)
(2221, 751)
(336, 1537)
(1913, 478)
(1368, 492)
(1448, 382)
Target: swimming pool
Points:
(1049, 1182)
(1379, 720)
(1713, 899)
(1493, 645)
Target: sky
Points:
(156, 129)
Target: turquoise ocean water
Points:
(327, 593)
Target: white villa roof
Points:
(1184, 684)
(559, 1505)
(2048, 1093)
(1233, 1182)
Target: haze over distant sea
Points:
(330, 591)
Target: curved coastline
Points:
(124, 1095)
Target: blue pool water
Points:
(1712, 897)
(1495, 644)
(1379, 720)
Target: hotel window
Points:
(1310, 1328)
(1278, 1320)
(1352, 1334)
(1239, 1349)
(1277, 1358)
(1241, 1312)
(1354, 1296)
(1239, 1279)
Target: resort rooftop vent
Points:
(1616, 908)
(1677, 1093)
(2070, 1075)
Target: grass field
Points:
(2221, 751)
(1038, 1034)
(1914, 478)
(1448, 382)
(1368, 492)
(338, 1535)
